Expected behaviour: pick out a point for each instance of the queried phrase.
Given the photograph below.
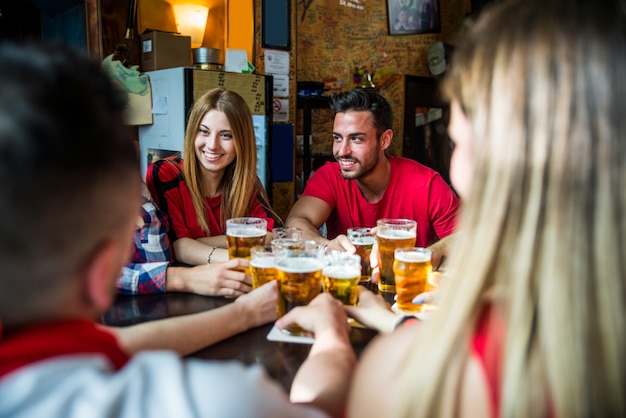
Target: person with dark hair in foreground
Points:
(69, 200)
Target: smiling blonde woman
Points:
(216, 181)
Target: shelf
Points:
(308, 104)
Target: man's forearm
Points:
(309, 231)
(185, 334)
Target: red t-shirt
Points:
(43, 341)
(414, 192)
(165, 181)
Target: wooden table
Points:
(280, 359)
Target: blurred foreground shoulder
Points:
(376, 384)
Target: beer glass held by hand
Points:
(290, 237)
(412, 268)
(392, 234)
(288, 243)
(340, 276)
(242, 234)
(287, 232)
(299, 275)
(363, 240)
(261, 265)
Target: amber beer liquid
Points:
(242, 234)
(412, 268)
(392, 234)
(364, 249)
(342, 282)
(262, 270)
(299, 282)
(363, 242)
(241, 241)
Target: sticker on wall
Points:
(281, 110)
(276, 62)
(281, 85)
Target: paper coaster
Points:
(276, 334)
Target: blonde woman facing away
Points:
(531, 316)
(216, 181)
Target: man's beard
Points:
(361, 171)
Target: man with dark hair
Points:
(365, 184)
(69, 200)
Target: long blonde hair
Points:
(240, 182)
(543, 234)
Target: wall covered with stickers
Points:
(347, 43)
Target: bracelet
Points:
(211, 251)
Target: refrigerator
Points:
(173, 94)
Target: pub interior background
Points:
(331, 44)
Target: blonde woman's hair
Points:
(241, 184)
(543, 234)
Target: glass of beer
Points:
(363, 241)
(340, 276)
(261, 265)
(392, 234)
(412, 268)
(287, 232)
(244, 233)
(299, 275)
(288, 243)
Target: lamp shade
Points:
(191, 21)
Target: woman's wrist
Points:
(175, 279)
(211, 258)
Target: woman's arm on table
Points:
(195, 252)
(189, 333)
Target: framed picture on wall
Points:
(407, 17)
(276, 24)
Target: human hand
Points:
(439, 250)
(430, 295)
(322, 314)
(425, 298)
(372, 311)
(260, 304)
(340, 243)
(216, 279)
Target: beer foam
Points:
(300, 265)
(363, 240)
(262, 262)
(246, 232)
(412, 257)
(396, 234)
(341, 272)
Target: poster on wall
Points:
(407, 17)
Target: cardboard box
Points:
(160, 50)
